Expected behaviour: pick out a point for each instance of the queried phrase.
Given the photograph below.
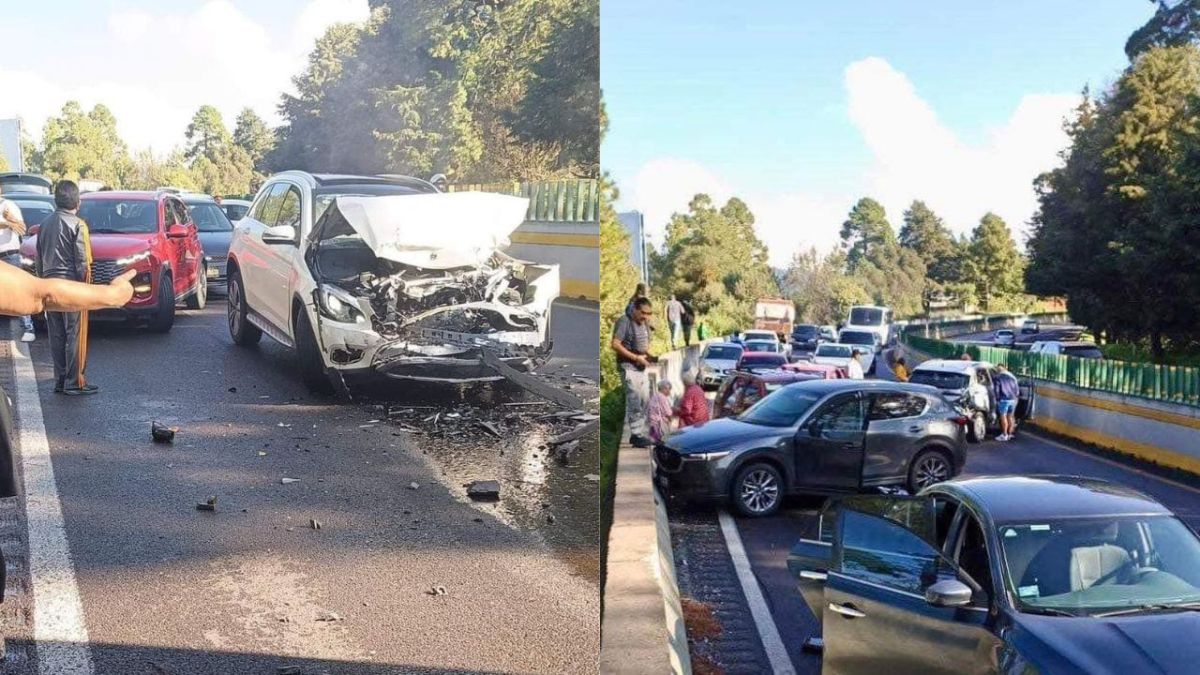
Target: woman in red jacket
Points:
(693, 406)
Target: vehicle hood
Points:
(719, 364)
(1151, 643)
(216, 244)
(717, 434)
(104, 246)
(429, 231)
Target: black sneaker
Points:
(640, 442)
(85, 390)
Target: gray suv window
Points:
(882, 552)
(896, 405)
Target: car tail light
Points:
(961, 420)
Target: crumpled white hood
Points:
(435, 231)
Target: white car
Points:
(839, 355)
(877, 320)
(367, 275)
(1005, 337)
(717, 359)
(756, 334)
(1078, 349)
(970, 386)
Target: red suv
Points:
(153, 233)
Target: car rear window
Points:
(939, 379)
(723, 353)
(1083, 352)
(210, 218)
(857, 337)
(758, 360)
(835, 351)
(865, 316)
(805, 331)
(762, 346)
(34, 211)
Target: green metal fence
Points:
(1174, 384)
(575, 200)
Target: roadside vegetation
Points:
(467, 88)
(1116, 231)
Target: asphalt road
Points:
(404, 574)
(706, 569)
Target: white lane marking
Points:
(781, 663)
(1112, 462)
(59, 632)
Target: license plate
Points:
(213, 272)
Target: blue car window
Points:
(880, 551)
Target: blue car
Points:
(1041, 574)
(216, 231)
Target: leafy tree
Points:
(993, 264)
(926, 234)
(206, 133)
(251, 134)
(1115, 229)
(84, 145)
(819, 287)
(228, 171)
(866, 228)
(149, 172)
(1175, 23)
(475, 89)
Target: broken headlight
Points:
(338, 305)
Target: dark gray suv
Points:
(817, 437)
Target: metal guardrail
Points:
(570, 201)
(1170, 384)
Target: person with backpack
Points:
(631, 342)
(12, 228)
(687, 320)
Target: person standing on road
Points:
(693, 405)
(1008, 390)
(64, 252)
(631, 342)
(854, 369)
(688, 320)
(900, 370)
(12, 228)
(674, 314)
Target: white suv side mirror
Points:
(279, 234)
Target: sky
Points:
(155, 63)
(801, 107)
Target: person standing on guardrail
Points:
(1008, 390)
(674, 315)
(631, 342)
(688, 320)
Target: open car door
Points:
(809, 560)
(1027, 400)
(894, 603)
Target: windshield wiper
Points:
(1047, 611)
(1153, 606)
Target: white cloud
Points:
(216, 55)
(914, 156)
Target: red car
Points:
(758, 361)
(820, 371)
(741, 390)
(153, 233)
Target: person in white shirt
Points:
(12, 227)
(854, 369)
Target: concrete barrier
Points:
(573, 246)
(1164, 433)
(642, 630)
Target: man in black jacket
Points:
(64, 252)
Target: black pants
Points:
(687, 333)
(67, 348)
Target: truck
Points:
(775, 314)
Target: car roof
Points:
(834, 386)
(1012, 499)
(771, 376)
(723, 344)
(838, 344)
(1004, 330)
(951, 365)
(28, 196)
(808, 366)
(771, 354)
(197, 199)
(148, 195)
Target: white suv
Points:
(386, 275)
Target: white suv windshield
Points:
(866, 316)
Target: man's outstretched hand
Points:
(122, 288)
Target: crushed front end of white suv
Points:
(416, 287)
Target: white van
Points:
(877, 320)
